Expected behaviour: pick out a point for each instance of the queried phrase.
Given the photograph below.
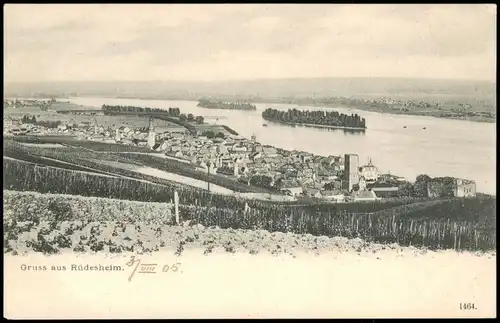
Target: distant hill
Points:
(266, 88)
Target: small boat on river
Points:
(264, 125)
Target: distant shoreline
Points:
(434, 114)
(481, 119)
(407, 113)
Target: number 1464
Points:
(467, 306)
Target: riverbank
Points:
(315, 125)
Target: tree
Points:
(190, 117)
(220, 135)
(406, 189)
(199, 119)
(209, 134)
(421, 185)
(261, 181)
(183, 117)
(329, 186)
(278, 183)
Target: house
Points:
(269, 151)
(330, 160)
(305, 157)
(306, 173)
(362, 195)
(222, 149)
(293, 191)
(238, 148)
(204, 151)
(288, 168)
(334, 195)
(257, 148)
(465, 188)
(306, 182)
(156, 146)
(386, 192)
(174, 153)
(312, 192)
(127, 142)
(256, 155)
(164, 146)
(175, 148)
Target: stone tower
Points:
(351, 171)
(151, 134)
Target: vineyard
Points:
(413, 223)
(127, 225)
(460, 223)
(149, 188)
(89, 150)
(51, 224)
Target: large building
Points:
(369, 173)
(458, 187)
(465, 188)
(351, 171)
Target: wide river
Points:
(444, 148)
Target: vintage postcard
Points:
(249, 161)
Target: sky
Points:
(204, 42)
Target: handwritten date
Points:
(150, 268)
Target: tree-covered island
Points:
(332, 119)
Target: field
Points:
(42, 115)
(400, 227)
(214, 128)
(84, 223)
(131, 121)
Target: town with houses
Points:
(294, 173)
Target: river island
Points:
(328, 119)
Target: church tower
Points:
(118, 136)
(151, 134)
(95, 126)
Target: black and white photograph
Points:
(249, 161)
